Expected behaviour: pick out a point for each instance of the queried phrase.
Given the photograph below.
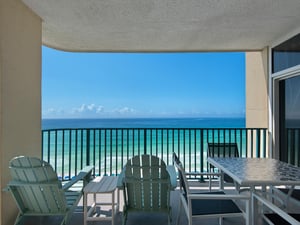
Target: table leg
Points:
(118, 200)
(85, 208)
(113, 209)
(221, 184)
(252, 207)
(95, 201)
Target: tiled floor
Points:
(161, 219)
(154, 218)
(141, 218)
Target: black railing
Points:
(292, 146)
(108, 149)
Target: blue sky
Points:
(126, 85)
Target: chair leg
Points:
(18, 219)
(124, 220)
(221, 220)
(178, 213)
(170, 216)
(67, 217)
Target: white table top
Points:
(258, 171)
(106, 184)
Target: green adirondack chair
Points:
(38, 192)
(147, 186)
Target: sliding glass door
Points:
(289, 124)
(286, 74)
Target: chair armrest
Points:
(227, 198)
(84, 175)
(219, 196)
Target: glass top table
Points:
(254, 172)
(258, 171)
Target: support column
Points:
(257, 90)
(20, 92)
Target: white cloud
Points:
(100, 109)
(91, 107)
(53, 113)
(84, 108)
(124, 110)
(90, 111)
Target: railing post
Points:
(258, 143)
(201, 155)
(88, 147)
(264, 143)
(145, 141)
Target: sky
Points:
(142, 85)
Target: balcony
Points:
(108, 150)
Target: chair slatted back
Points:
(222, 150)
(147, 184)
(35, 186)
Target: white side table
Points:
(101, 185)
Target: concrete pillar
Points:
(257, 89)
(257, 93)
(20, 92)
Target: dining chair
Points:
(222, 150)
(207, 204)
(37, 190)
(146, 186)
(272, 213)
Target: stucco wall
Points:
(257, 89)
(20, 91)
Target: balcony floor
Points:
(138, 218)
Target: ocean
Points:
(144, 123)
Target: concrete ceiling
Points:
(164, 25)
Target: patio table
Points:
(106, 185)
(257, 172)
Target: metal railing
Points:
(292, 146)
(108, 149)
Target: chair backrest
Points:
(222, 150)
(184, 185)
(35, 186)
(147, 184)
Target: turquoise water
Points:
(109, 149)
(145, 123)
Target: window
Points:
(286, 55)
